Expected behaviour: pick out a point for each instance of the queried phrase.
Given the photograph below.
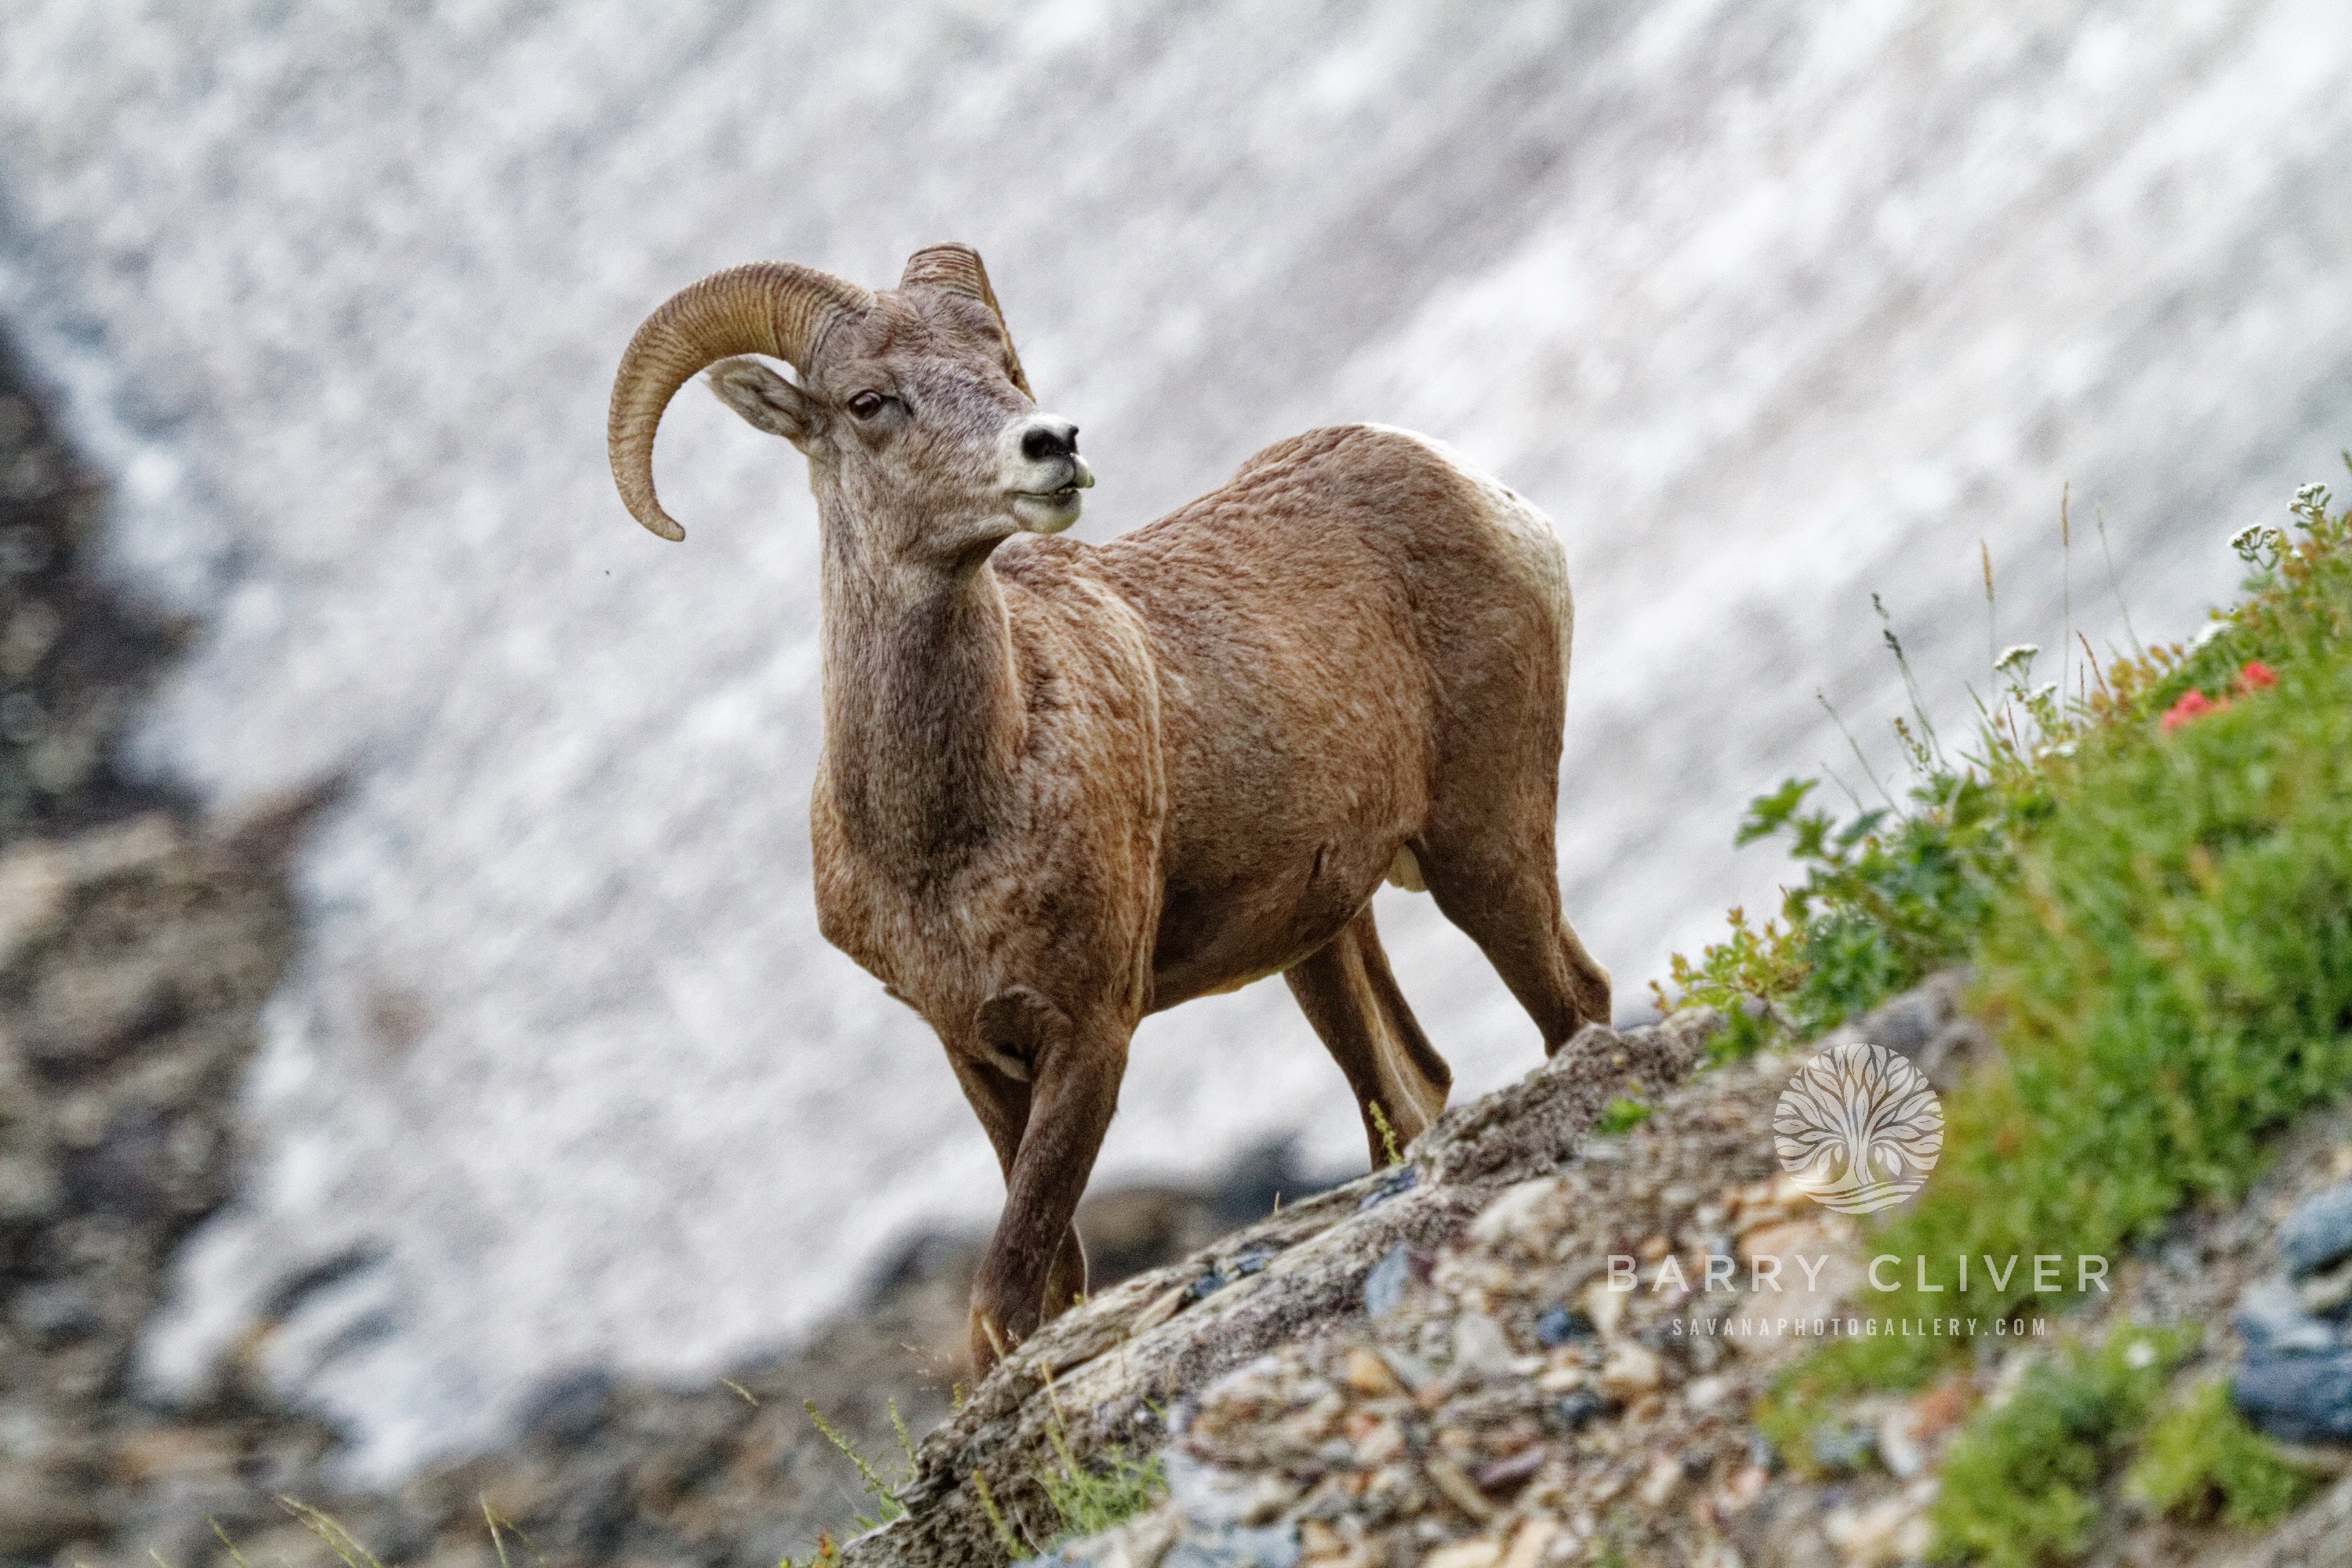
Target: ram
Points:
(1064, 785)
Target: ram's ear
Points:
(765, 400)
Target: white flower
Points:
(2019, 656)
(2208, 633)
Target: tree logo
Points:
(1859, 1128)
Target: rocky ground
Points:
(1494, 1404)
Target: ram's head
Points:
(910, 404)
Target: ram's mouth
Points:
(1052, 511)
(1080, 477)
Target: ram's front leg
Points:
(1035, 1266)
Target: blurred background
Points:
(1771, 306)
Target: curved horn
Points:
(773, 308)
(956, 269)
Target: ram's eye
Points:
(867, 405)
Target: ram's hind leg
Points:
(1348, 993)
(1501, 890)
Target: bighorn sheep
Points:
(1064, 785)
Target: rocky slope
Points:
(1494, 1404)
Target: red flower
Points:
(2193, 704)
(2256, 676)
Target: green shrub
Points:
(1117, 1487)
(2200, 1456)
(2019, 1480)
(2154, 883)
(2170, 967)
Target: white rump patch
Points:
(1531, 535)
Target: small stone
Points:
(1269, 1546)
(1631, 1370)
(2326, 1290)
(1145, 1539)
(1842, 1446)
(1497, 1474)
(1604, 1308)
(1514, 1211)
(1477, 1552)
(1448, 1478)
(1661, 1481)
(2318, 1231)
(1167, 1305)
(1533, 1539)
(1707, 1394)
(1403, 1179)
(1868, 1537)
(1480, 1350)
(1215, 1496)
(1320, 1542)
(1555, 1326)
(2271, 1319)
(1561, 1377)
(1385, 1286)
(1745, 1486)
(1409, 1370)
(1899, 1448)
(1368, 1374)
(2299, 1398)
(1578, 1407)
(1381, 1444)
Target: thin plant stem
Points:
(1910, 684)
(2115, 584)
(2065, 589)
(2091, 660)
(1992, 640)
(1855, 746)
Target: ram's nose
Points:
(1047, 437)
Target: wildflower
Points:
(2192, 705)
(2259, 545)
(2256, 676)
(2017, 656)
